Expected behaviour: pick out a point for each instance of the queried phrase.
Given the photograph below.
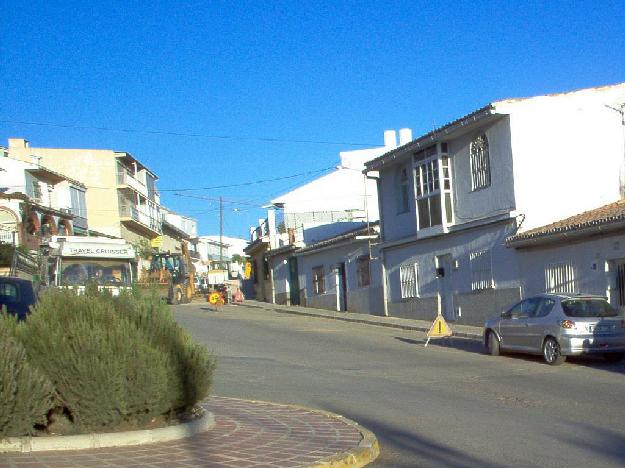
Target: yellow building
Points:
(121, 195)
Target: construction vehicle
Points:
(172, 274)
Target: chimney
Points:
(405, 136)
(390, 139)
(18, 143)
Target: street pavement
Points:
(246, 434)
(449, 404)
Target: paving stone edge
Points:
(367, 450)
(108, 439)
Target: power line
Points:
(253, 182)
(184, 134)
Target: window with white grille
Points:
(408, 280)
(560, 278)
(318, 280)
(480, 163)
(481, 270)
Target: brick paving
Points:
(246, 434)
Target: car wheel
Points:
(614, 357)
(551, 352)
(492, 344)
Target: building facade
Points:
(121, 197)
(450, 198)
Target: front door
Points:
(445, 287)
(293, 281)
(341, 288)
(620, 286)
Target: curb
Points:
(108, 439)
(472, 336)
(366, 452)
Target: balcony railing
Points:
(261, 231)
(8, 237)
(137, 214)
(126, 177)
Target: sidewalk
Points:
(246, 434)
(462, 331)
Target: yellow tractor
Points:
(172, 274)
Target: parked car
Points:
(17, 295)
(557, 326)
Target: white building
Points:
(344, 198)
(583, 253)
(343, 195)
(450, 198)
(37, 202)
(342, 272)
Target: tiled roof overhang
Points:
(600, 221)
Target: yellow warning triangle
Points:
(439, 328)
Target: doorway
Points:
(341, 288)
(293, 282)
(445, 288)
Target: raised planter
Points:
(108, 439)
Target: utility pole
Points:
(221, 232)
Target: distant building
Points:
(37, 202)
(121, 197)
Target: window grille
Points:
(560, 278)
(481, 270)
(480, 163)
(318, 279)
(408, 280)
(363, 271)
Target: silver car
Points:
(557, 326)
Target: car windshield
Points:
(588, 308)
(103, 272)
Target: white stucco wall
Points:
(343, 189)
(397, 225)
(459, 245)
(590, 257)
(359, 299)
(568, 151)
(496, 199)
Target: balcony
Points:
(9, 237)
(137, 218)
(126, 180)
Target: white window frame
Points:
(480, 163)
(318, 280)
(433, 179)
(409, 280)
(481, 262)
(561, 278)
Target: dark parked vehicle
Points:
(558, 325)
(17, 295)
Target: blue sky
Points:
(202, 85)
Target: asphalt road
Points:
(445, 405)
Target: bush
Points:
(26, 394)
(115, 360)
(189, 362)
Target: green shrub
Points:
(115, 360)
(190, 363)
(26, 394)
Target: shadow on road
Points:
(400, 448)
(602, 442)
(474, 346)
(462, 344)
